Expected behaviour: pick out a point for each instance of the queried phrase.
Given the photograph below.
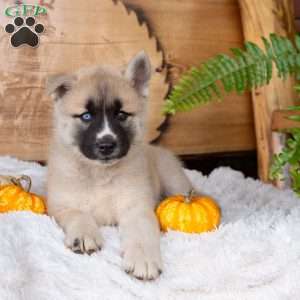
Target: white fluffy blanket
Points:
(255, 254)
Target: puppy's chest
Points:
(100, 200)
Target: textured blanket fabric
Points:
(255, 254)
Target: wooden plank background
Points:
(189, 32)
(260, 18)
(297, 14)
(66, 45)
(281, 121)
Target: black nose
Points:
(106, 145)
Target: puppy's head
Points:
(99, 112)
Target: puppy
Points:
(101, 170)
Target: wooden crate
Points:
(103, 33)
(187, 32)
(261, 18)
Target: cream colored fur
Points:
(84, 194)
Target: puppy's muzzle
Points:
(106, 145)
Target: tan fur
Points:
(85, 194)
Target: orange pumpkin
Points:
(14, 197)
(192, 214)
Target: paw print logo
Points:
(24, 32)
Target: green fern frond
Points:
(289, 158)
(246, 69)
(287, 162)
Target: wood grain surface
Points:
(76, 35)
(189, 32)
(281, 121)
(260, 18)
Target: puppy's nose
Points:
(106, 145)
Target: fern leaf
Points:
(247, 68)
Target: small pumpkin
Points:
(191, 213)
(13, 196)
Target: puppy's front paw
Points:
(142, 263)
(83, 242)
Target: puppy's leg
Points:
(140, 240)
(82, 233)
(172, 177)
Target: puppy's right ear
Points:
(58, 85)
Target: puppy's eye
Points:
(122, 116)
(86, 117)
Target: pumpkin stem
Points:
(189, 196)
(18, 181)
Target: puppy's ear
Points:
(58, 85)
(138, 72)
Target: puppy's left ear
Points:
(138, 72)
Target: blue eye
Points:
(86, 117)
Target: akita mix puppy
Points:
(101, 170)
